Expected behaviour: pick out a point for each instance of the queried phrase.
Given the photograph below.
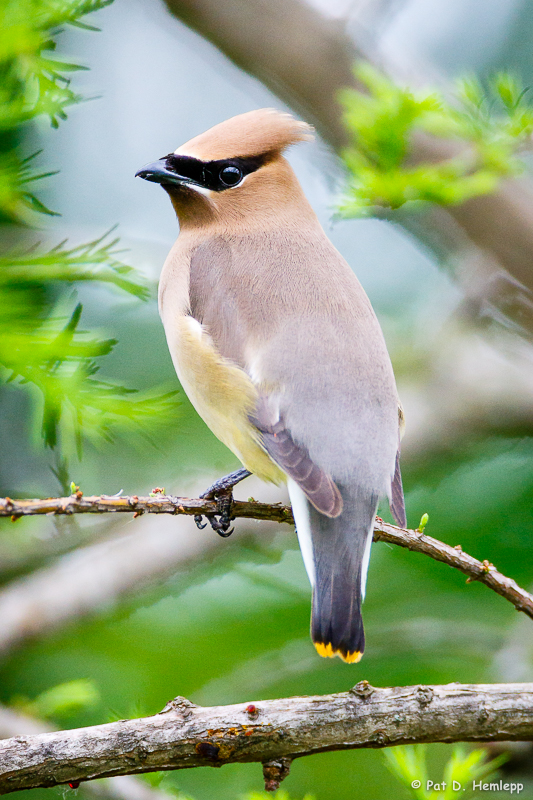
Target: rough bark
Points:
(123, 787)
(184, 735)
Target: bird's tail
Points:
(340, 555)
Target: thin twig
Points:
(159, 504)
(482, 571)
(271, 732)
(138, 554)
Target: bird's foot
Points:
(222, 492)
(221, 520)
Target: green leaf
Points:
(94, 261)
(423, 522)
(491, 127)
(35, 204)
(42, 350)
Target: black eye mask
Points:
(215, 175)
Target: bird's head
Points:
(233, 170)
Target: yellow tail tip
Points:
(327, 651)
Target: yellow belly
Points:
(222, 394)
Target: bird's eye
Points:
(230, 176)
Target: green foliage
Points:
(94, 261)
(61, 700)
(39, 346)
(32, 83)
(42, 346)
(486, 129)
(462, 769)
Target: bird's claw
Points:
(220, 521)
(221, 491)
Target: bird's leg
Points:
(226, 483)
(222, 492)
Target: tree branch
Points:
(272, 732)
(158, 504)
(124, 787)
(482, 571)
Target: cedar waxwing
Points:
(278, 348)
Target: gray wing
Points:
(294, 459)
(286, 302)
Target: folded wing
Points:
(294, 459)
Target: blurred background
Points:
(138, 611)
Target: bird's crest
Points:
(254, 133)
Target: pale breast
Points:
(221, 392)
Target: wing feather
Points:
(397, 503)
(294, 459)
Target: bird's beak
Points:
(158, 173)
